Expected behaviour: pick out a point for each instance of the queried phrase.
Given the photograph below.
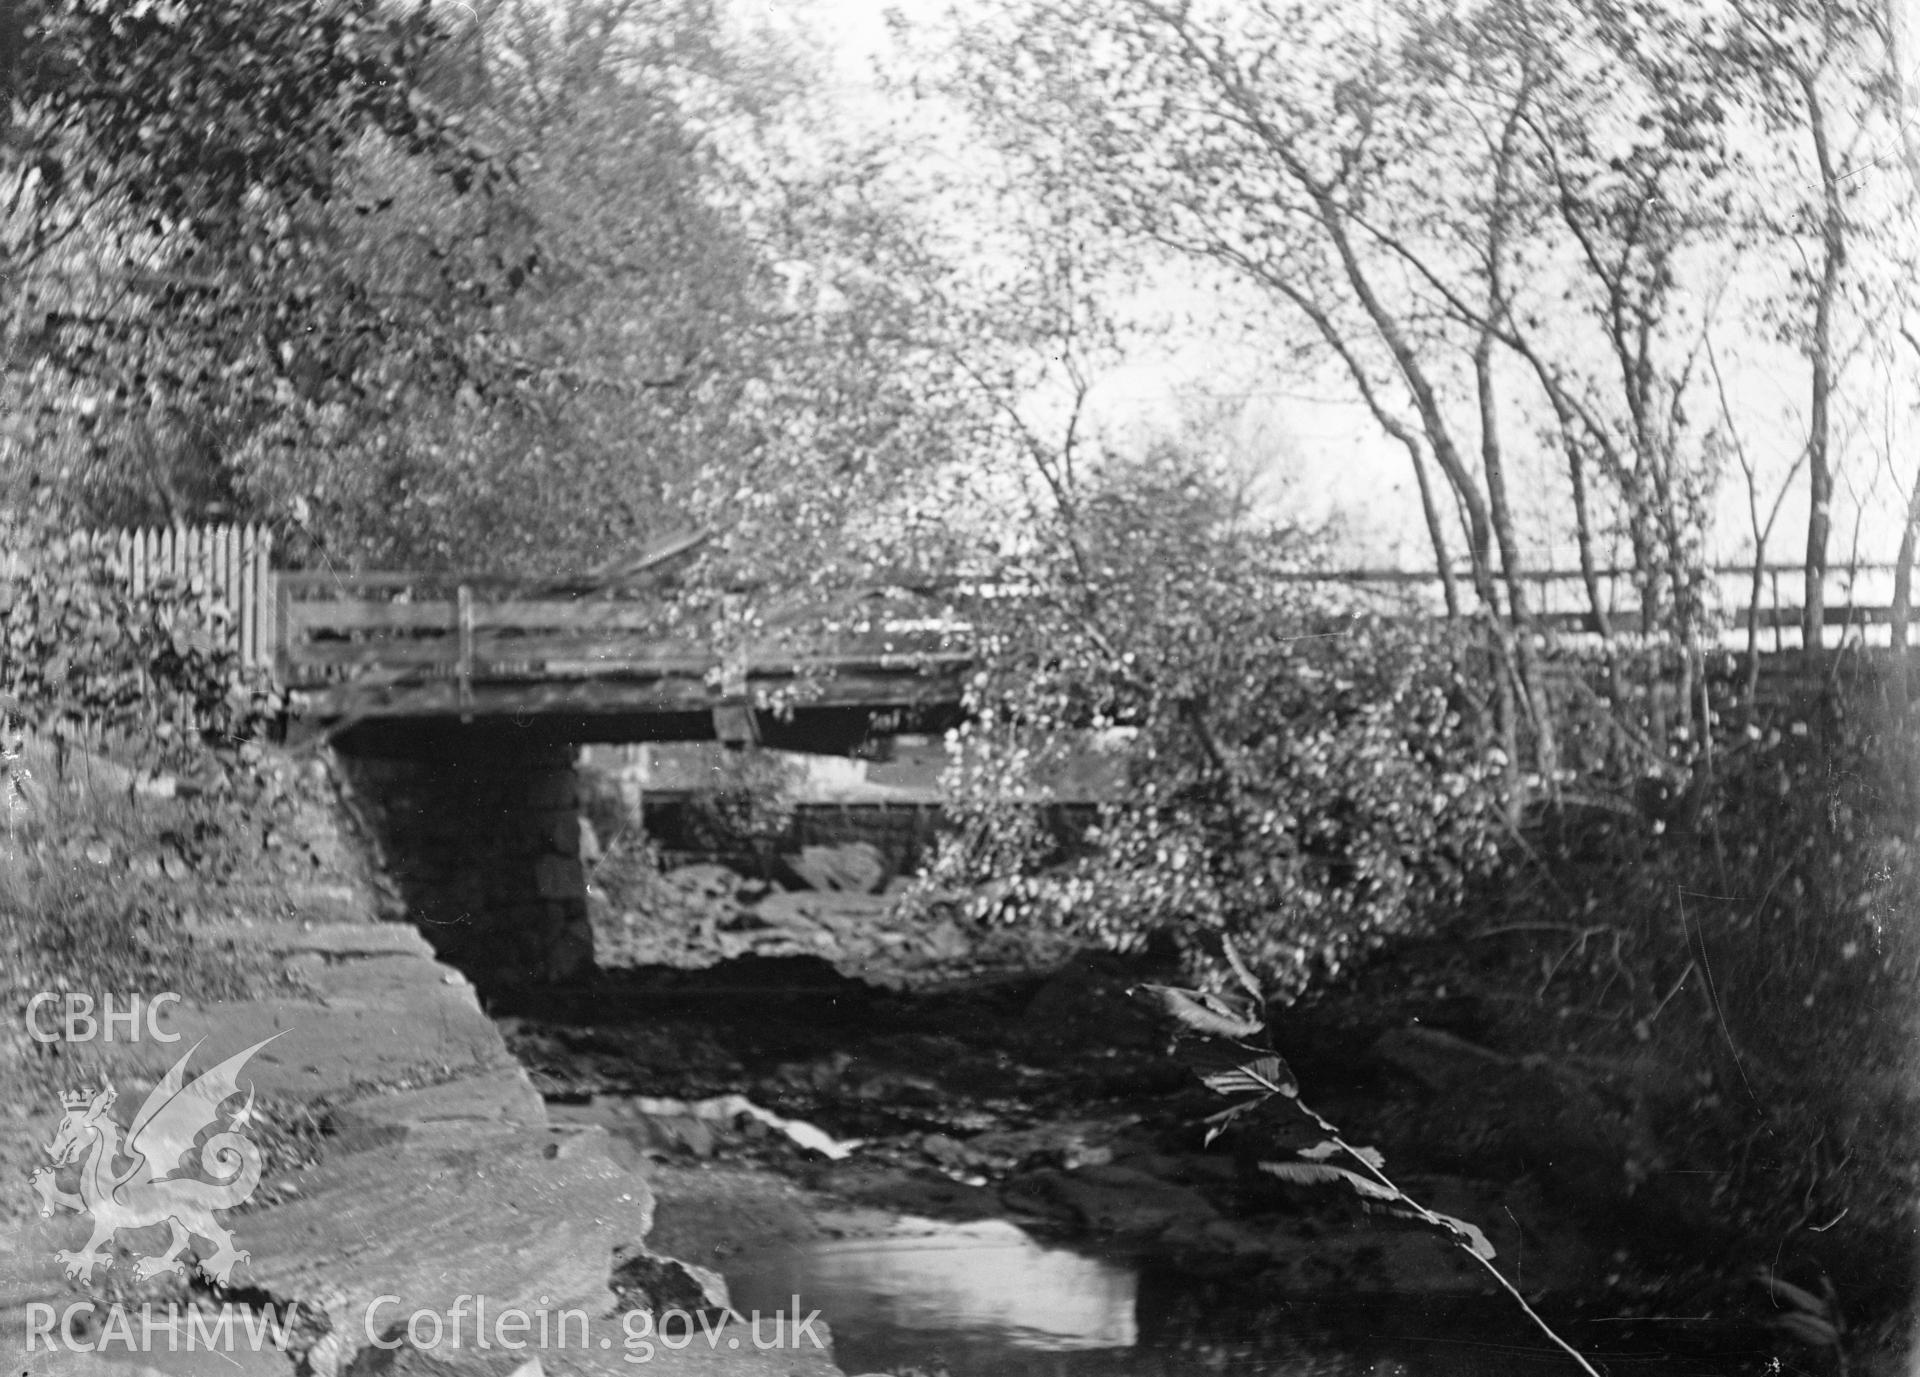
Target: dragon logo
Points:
(151, 1190)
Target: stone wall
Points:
(485, 849)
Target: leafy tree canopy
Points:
(448, 287)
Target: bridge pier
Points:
(483, 841)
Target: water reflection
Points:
(984, 1299)
(988, 1278)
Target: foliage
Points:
(491, 287)
(1306, 778)
(613, 295)
(1787, 875)
(83, 656)
(749, 796)
(1756, 931)
(1221, 1045)
(182, 235)
(1505, 230)
(96, 883)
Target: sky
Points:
(1323, 449)
(1327, 457)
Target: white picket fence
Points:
(235, 565)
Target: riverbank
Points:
(1050, 1102)
(802, 1069)
(395, 1174)
(1682, 1015)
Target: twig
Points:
(1528, 927)
(1670, 993)
(1713, 997)
(1265, 1076)
(1452, 1231)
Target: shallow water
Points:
(987, 1281)
(927, 1298)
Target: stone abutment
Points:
(484, 846)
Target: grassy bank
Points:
(117, 881)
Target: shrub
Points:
(1759, 932)
(749, 797)
(1301, 775)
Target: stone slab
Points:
(30, 1273)
(513, 1219)
(395, 980)
(504, 1097)
(328, 905)
(242, 1362)
(346, 939)
(323, 1051)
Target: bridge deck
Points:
(389, 654)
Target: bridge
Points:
(457, 701)
(419, 660)
(386, 656)
(393, 660)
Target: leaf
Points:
(1268, 1076)
(1264, 1075)
(1202, 1012)
(1221, 1122)
(1472, 1236)
(1461, 1233)
(1326, 1148)
(1320, 1174)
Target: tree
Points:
(624, 303)
(1505, 226)
(727, 304)
(511, 290)
(1808, 75)
(1202, 136)
(174, 188)
(1897, 27)
(1302, 777)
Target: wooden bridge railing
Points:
(319, 629)
(443, 643)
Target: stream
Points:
(987, 1300)
(1029, 1196)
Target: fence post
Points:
(1773, 595)
(465, 686)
